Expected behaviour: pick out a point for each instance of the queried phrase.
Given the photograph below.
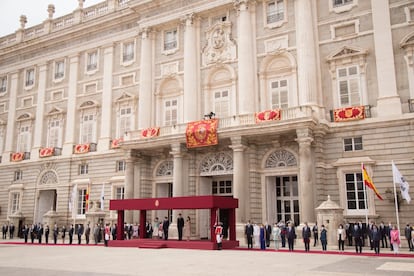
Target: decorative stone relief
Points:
(166, 168)
(219, 163)
(220, 46)
(49, 177)
(169, 69)
(277, 44)
(281, 158)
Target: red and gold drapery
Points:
(268, 115)
(115, 143)
(82, 148)
(150, 132)
(202, 133)
(349, 113)
(17, 156)
(46, 152)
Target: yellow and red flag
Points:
(87, 199)
(368, 182)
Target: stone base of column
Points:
(240, 227)
(389, 106)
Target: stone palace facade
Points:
(95, 106)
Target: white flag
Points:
(400, 180)
(102, 196)
(73, 197)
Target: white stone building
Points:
(340, 72)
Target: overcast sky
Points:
(35, 11)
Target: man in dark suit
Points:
(383, 232)
(71, 230)
(268, 230)
(358, 237)
(47, 231)
(165, 225)
(291, 236)
(80, 233)
(248, 231)
(40, 232)
(180, 226)
(25, 232)
(407, 234)
(11, 230)
(306, 235)
(55, 233)
(87, 233)
(4, 229)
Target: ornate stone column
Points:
(71, 106)
(388, 102)
(191, 69)
(178, 189)
(40, 112)
(129, 182)
(306, 176)
(245, 57)
(240, 177)
(105, 135)
(145, 80)
(306, 52)
(11, 118)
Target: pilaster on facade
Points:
(146, 79)
(388, 101)
(407, 44)
(246, 58)
(306, 175)
(130, 160)
(191, 67)
(11, 118)
(240, 176)
(106, 122)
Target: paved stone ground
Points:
(21, 259)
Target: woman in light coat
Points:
(276, 236)
(341, 236)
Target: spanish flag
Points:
(87, 199)
(368, 182)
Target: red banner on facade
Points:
(268, 115)
(82, 148)
(349, 113)
(202, 133)
(150, 132)
(46, 152)
(115, 143)
(17, 156)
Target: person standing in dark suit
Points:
(63, 233)
(315, 232)
(291, 236)
(248, 231)
(71, 230)
(47, 231)
(80, 233)
(375, 238)
(40, 232)
(358, 237)
(55, 233)
(268, 229)
(11, 230)
(180, 226)
(306, 235)
(32, 232)
(324, 237)
(25, 232)
(4, 230)
(383, 231)
(165, 225)
(407, 234)
(87, 233)
(113, 232)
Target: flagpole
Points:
(395, 198)
(365, 195)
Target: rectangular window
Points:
(279, 93)
(354, 191)
(88, 129)
(170, 40)
(125, 119)
(221, 103)
(15, 204)
(92, 61)
(120, 166)
(120, 193)
(29, 77)
(170, 111)
(348, 86)
(83, 169)
(55, 133)
(128, 51)
(275, 11)
(24, 139)
(81, 202)
(338, 3)
(18, 175)
(222, 187)
(59, 69)
(3, 84)
(353, 144)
